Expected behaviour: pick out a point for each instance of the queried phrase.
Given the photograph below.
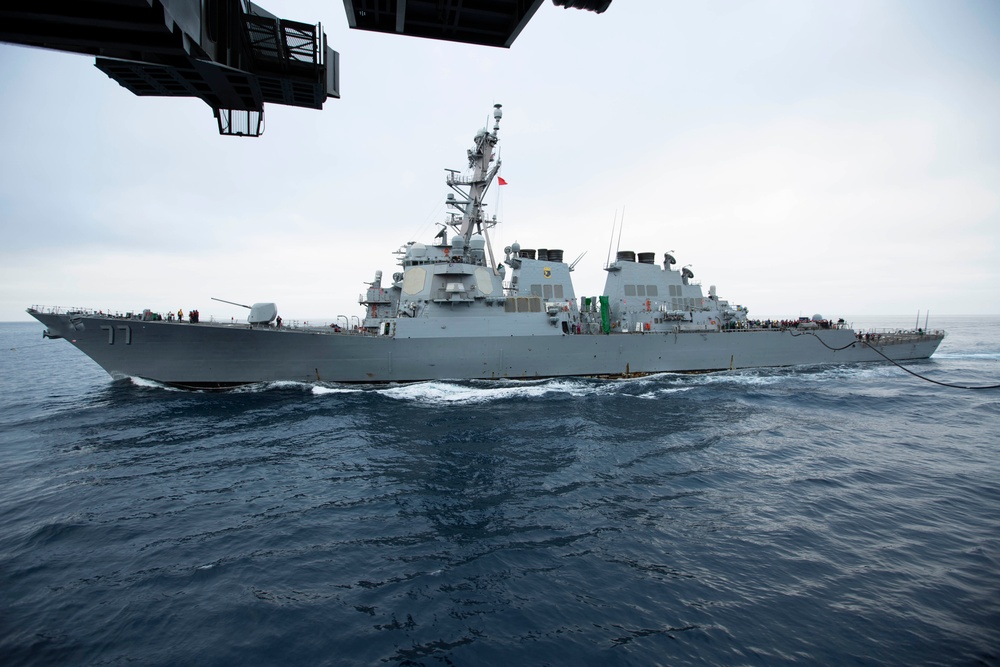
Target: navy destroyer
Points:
(453, 311)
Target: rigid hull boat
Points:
(454, 312)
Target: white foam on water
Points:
(650, 386)
(323, 389)
(452, 392)
(151, 384)
(308, 387)
(286, 384)
(660, 393)
(967, 355)
(770, 377)
(260, 387)
(748, 378)
(853, 372)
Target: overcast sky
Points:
(805, 157)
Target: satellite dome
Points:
(477, 242)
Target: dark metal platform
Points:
(232, 54)
(483, 22)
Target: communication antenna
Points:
(620, 226)
(612, 239)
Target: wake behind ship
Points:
(453, 311)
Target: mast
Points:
(472, 188)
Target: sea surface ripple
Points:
(838, 515)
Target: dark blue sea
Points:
(836, 516)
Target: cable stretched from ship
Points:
(895, 363)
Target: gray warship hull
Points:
(214, 355)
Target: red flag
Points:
(501, 181)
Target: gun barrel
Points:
(232, 303)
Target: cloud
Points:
(798, 155)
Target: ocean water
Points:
(839, 515)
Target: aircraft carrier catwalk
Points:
(232, 54)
